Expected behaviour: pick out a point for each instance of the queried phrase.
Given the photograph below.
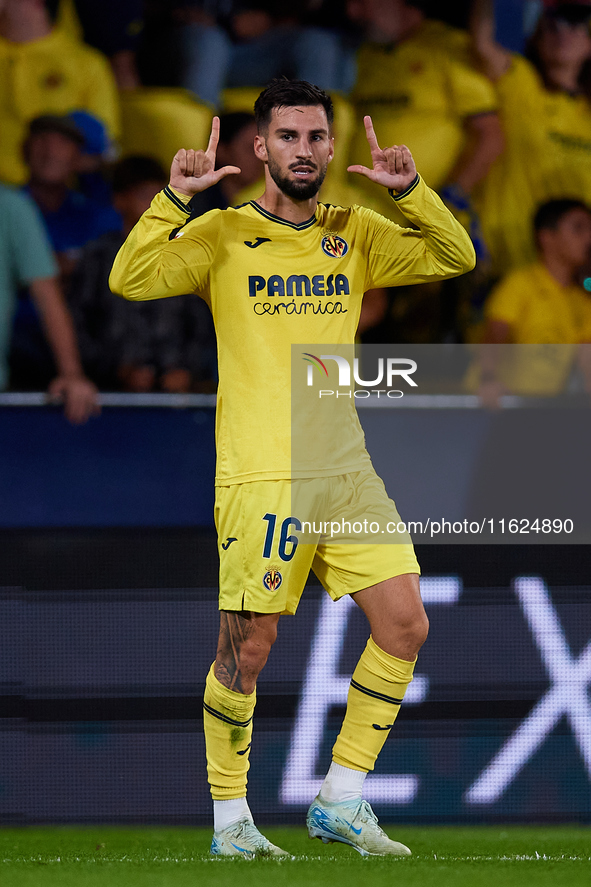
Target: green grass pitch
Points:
(178, 857)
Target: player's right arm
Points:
(153, 263)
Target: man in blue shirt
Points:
(52, 152)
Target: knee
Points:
(418, 630)
(406, 637)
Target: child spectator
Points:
(542, 304)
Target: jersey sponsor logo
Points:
(334, 246)
(293, 307)
(228, 542)
(254, 243)
(299, 285)
(272, 579)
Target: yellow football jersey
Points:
(539, 309)
(419, 93)
(547, 320)
(271, 284)
(53, 75)
(547, 155)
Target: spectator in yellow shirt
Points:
(545, 109)
(542, 305)
(416, 81)
(43, 70)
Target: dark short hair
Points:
(62, 124)
(233, 123)
(573, 13)
(284, 93)
(549, 214)
(136, 170)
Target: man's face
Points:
(562, 42)
(17, 8)
(52, 158)
(239, 152)
(297, 149)
(571, 239)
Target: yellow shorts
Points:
(271, 533)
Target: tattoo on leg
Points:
(234, 630)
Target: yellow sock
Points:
(377, 688)
(227, 724)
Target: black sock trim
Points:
(375, 695)
(226, 720)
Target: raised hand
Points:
(194, 171)
(392, 167)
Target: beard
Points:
(292, 188)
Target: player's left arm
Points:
(439, 248)
(155, 262)
(394, 167)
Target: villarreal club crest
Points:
(272, 579)
(334, 246)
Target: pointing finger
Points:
(371, 136)
(214, 137)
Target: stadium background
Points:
(108, 572)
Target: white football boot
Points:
(353, 823)
(243, 838)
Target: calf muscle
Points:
(245, 640)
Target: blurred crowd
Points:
(492, 96)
